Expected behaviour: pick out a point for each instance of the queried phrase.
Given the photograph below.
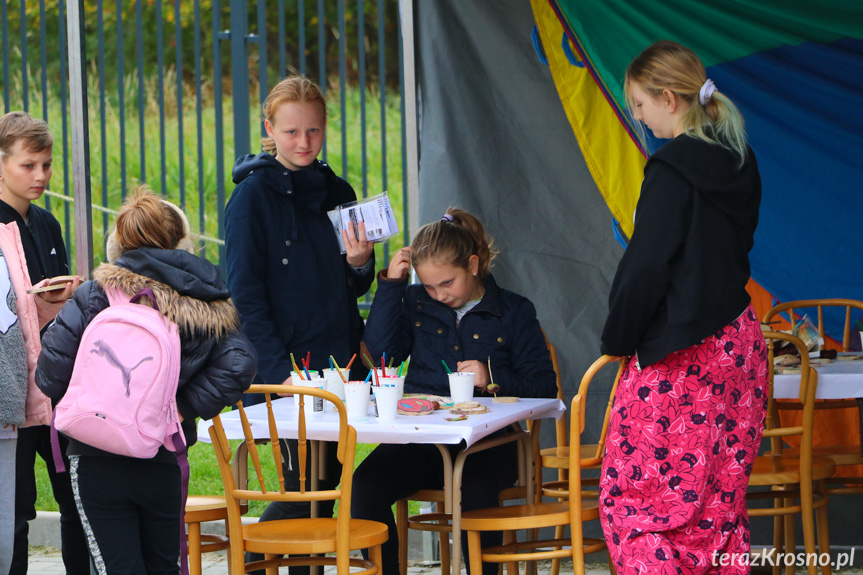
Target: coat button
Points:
(285, 173)
(287, 242)
(285, 261)
(420, 306)
(476, 336)
(419, 323)
(455, 347)
(500, 340)
(440, 330)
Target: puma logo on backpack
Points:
(102, 348)
(122, 395)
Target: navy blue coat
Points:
(404, 321)
(293, 288)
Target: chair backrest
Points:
(773, 428)
(275, 491)
(560, 425)
(596, 458)
(794, 310)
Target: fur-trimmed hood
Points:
(188, 289)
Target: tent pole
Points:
(80, 133)
(406, 11)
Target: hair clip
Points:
(447, 218)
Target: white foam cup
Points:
(387, 399)
(357, 399)
(461, 386)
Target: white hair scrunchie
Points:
(706, 91)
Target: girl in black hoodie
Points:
(689, 409)
(131, 508)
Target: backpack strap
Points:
(183, 462)
(146, 292)
(56, 452)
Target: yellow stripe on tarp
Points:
(614, 161)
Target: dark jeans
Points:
(33, 440)
(393, 472)
(134, 509)
(291, 510)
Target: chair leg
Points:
(823, 532)
(611, 569)
(376, 556)
(790, 536)
(402, 530)
(808, 518)
(194, 539)
(778, 534)
(274, 569)
(555, 563)
(509, 537)
(474, 552)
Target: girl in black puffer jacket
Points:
(131, 508)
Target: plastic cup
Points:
(316, 381)
(386, 399)
(461, 386)
(390, 372)
(399, 382)
(335, 385)
(357, 399)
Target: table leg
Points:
(449, 505)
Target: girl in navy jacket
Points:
(460, 316)
(295, 291)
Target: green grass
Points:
(204, 478)
(107, 174)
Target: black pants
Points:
(33, 440)
(133, 508)
(393, 472)
(292, 510)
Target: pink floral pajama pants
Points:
(681, 442)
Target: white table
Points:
(836, 380)
(428, 429)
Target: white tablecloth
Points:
(433, 428)
(836, 380)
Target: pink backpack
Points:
(122, 394)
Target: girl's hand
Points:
(58, 296)
(400, 265)
(480, 380)
(358, 250)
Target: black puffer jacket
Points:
(217, 360)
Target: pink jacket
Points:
(34, 314)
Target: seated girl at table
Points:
(459, 316)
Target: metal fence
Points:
(174, 92)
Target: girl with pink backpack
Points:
(131, 507)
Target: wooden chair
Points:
(557, 457)
(439, 522)
(571, 511)
(201, 508)
(296, 537)
(845, 454)
(794, 481)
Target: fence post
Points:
(240, 76)
(80, 140)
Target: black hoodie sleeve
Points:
(221, 383)
(643, 275)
